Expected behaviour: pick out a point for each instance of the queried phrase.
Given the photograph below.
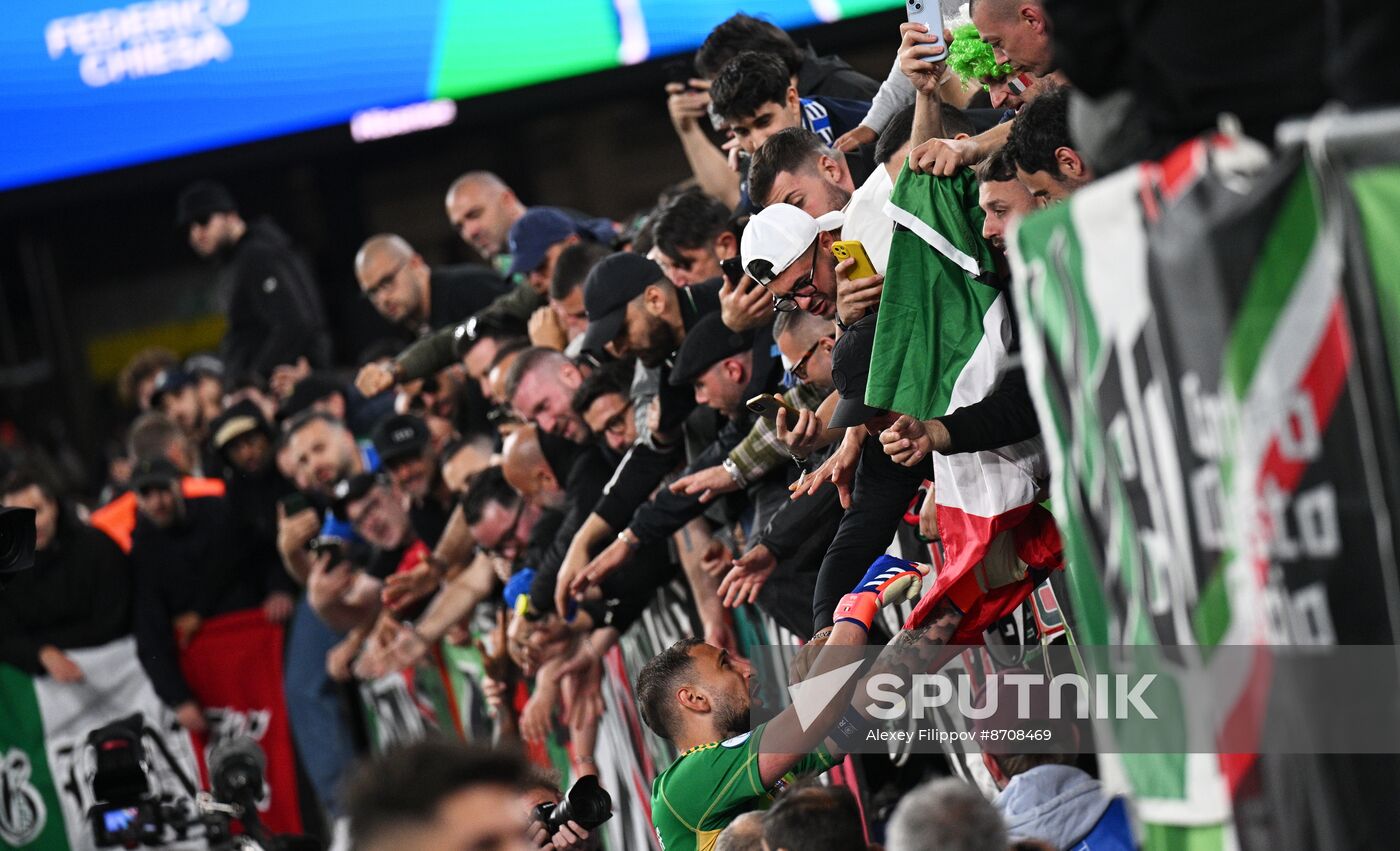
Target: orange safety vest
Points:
(118, 517)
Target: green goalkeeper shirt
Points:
(708, 786)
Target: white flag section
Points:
(45, 772)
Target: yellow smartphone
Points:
(767, 405)
(851, 248)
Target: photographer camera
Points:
(132, 808)
(565, 821)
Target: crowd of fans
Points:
(571, 431)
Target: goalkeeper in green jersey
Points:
(698, 696)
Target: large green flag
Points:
(934, 312)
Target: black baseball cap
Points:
(559, 453)
(610, 285)
(200, 200)
(307, 392)
(349, 490)
(204, 364)
(169, 381)
(850, 369)
(243, 417)
(399, 437)
(707, 343)
(154, 472)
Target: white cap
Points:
(777, 235)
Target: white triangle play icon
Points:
(811, 696)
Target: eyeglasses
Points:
(508, 537)
(617, 423)
(803, 286)
(799, 369)
(373, 290)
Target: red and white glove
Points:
(889, 580)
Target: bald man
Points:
(481, 208)
(407, 292)
(1018, 31)
(565, 479)
(537, 465)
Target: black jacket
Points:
(253, 502)
(198, 565)
(78, 594)
(626, 593)
(457, 292)
(643, 467)
(833, 77)
(275, 313)
(1004, 417)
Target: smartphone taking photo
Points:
(930, 14)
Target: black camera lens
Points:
(17, 535)
(588, 804)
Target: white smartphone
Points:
(930, 14)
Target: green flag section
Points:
(934, 311)
(482, 47)
(45, 790)
(1189, 345)
(1376, 191)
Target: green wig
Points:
(971, 57)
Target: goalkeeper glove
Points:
(889, 580)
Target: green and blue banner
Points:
(94, 85)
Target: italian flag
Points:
(45, 790)
(942, 342)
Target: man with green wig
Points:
(973, 60)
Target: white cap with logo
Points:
(777, 235)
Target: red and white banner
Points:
(234, 667)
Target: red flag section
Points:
(234, 667)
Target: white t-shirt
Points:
(866, 220)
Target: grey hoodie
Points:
(1059, 804)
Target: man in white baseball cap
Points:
(789, 253)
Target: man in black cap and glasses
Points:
(275, 313)
(189, 565)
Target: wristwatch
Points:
(734, 472)
(627, 537)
